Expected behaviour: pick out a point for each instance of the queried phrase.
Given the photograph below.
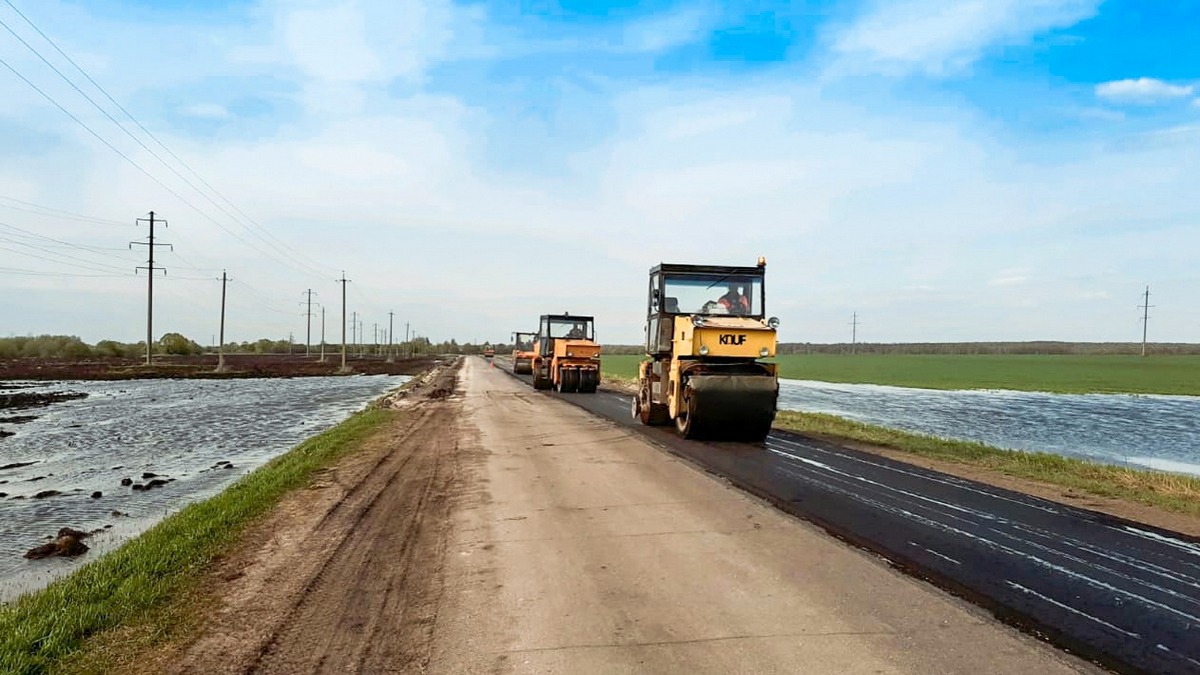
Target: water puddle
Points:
(195, 436)
(1147, 431)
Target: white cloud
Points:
(207, 111)
(944, 37)
(665, 31)
(1009, 278)
(1143, 90)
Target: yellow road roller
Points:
(566, 355)
(523, 353)
(706, 335)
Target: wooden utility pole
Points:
(1145, 307)
(343, 281)
(221, 344)
(150, 280)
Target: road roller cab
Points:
(706, 333)
(566, 355)
(522, 355)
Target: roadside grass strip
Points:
(39, 630)
(1171, 492)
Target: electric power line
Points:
(137, 140)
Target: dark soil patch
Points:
(26, 399)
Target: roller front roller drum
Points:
(727, 407)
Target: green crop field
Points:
(1052, 373)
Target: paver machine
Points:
(566, 355)
(706, 336)
(522, 355)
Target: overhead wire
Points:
(41, 210)
(122, 127)
(36, 273)
(58, 213)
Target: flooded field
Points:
(1147, 431)
(87, 463)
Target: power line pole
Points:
(221, 345)
(853, 332)
(343, 281)
(354, 330)
(150, 280)
(407, 344)
(390, 356)
(308, 328)
(362, 338)
(322, 333)
(1145, 307)
(375, 347)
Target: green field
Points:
(1056, 373)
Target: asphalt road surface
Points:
(1115, 592)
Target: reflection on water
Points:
(1159, 432)
(178, 429)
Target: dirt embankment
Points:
(236, 365)
(345, 575)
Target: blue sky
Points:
(949, 170)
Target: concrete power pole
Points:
(221, 345)
(308, 328)
(853, 332)
(1145, 307)
(322, 333)
(362, 338)
(407, 344)
(375, 346)
(354, 329)
(390, 357)
(343, 281)
(150, 280)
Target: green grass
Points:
(41, 629)
(1171, 492)
(1050, 373)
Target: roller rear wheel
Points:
(685, 423)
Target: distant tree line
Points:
(175, 344)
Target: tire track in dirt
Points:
(352, 585)
(369, 608)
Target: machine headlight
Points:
(764, 352)
(773, 322)
(703, 350)
(570, 354)
(698, 321)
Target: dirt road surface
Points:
(500, 530)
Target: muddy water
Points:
(1158, 432)
(201, 435)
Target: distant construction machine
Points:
(488, 351)
(566, 355)
(706, 329)
(522, 356)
